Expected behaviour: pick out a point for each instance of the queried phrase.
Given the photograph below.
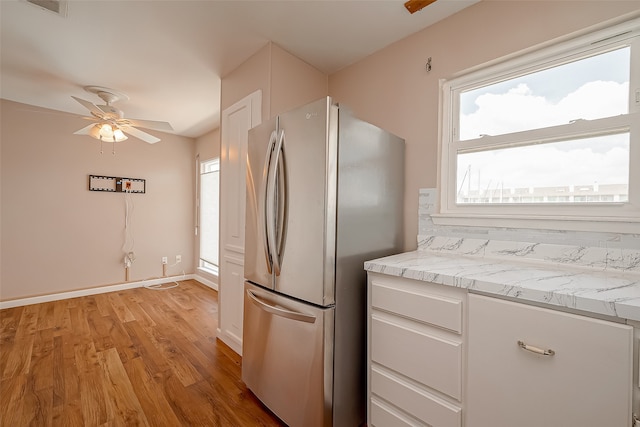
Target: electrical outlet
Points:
(178, 258)
(164, 259)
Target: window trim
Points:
(612, 217)
(206, 167)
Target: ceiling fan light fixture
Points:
(107, 133)
(118, 135)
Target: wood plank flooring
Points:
(139, 357)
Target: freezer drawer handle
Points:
(294, 315)
(536, 350)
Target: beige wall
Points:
(293, 82)
(56, 235)
(251, 75)
(285, 80)
(208, 145)
(392, 89)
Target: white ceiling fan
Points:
(110, 124)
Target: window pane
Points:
(577, 171)
(590, 88)
(209, 212)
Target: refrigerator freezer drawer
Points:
(287, 356)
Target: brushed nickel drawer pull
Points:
(537, 350)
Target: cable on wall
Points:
(129, 241)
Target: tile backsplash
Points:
(597, 250)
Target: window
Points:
(553, 135)
(209, 198)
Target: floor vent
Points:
(59, 7)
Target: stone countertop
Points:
(610, 292)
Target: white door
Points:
(236, 121)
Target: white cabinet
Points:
(583, 380)
(236, 122)
(415, 353)
(440, 356)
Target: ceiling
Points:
(169, 56)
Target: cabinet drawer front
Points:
(420, 404)
(436, 310)
(382, 416)
(428, 359)
(585, 382)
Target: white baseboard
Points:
(213, 285)
(100, 290)
(231, 340)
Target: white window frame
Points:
(611, 217)
(204, 167)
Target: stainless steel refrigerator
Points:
(324, 194)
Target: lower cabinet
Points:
(230, 313)
(415, 353)
(438, 356)
(531, 366)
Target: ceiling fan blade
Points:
(85, 130)
(149, 124)
(414, 6)
(140, 134)
(90, 106)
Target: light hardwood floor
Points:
(128, 358)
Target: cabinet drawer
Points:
(383, 416)
(420, 404)
(437, 310)
(428, 359)
(585, 382)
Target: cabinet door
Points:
(585, 382)
(236, 122)
(232, 311)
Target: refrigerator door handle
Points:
(272, 205)
(283, 200)
(278, 311)
(269, 254)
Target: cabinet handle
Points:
(536, 350)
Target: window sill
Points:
(629, 225)
(208, 271)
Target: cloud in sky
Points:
(582, 162)
(545, 165)
(520, 109)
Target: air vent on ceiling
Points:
(59, 7)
